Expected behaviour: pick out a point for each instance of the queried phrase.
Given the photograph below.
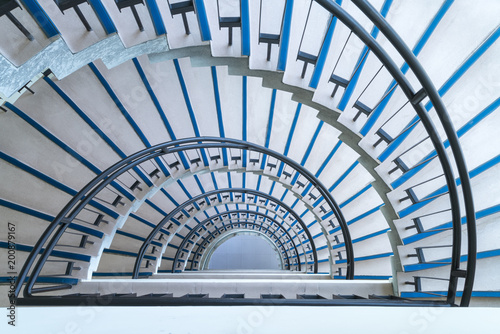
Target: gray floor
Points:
(245, 252)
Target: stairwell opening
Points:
(243, 251)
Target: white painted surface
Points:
(476, 89)
(254, 319)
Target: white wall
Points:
(253, 319)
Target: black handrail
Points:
(202, 223)
(451, 134)
(84, 196)
(238, 144)
(226, 232)
(431, 92)
(179, 208)
(243, 220)
(434, 97)
(63, 222)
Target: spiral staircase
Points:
(356, 136)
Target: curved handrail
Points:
(235, 143)
(452, 136)
(275, 212)
(434, 97)
(202, 223)
(238, 221)
(226, 235)
(179, 208)
(84, 196)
